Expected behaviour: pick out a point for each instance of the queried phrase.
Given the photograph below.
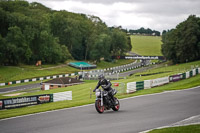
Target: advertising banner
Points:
(139, 85)
(44, 99)
(24, 101)
(160, 81)
(139, 57)
(175, 78)
(19, 102)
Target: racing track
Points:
(136, 114)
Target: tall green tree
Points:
(120, 43)
(183, 43)
(101, 48)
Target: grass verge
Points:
(181, 129)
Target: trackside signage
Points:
(160, 81)
(139, 57)
(19, 102)
(175, 78)
(24, 101)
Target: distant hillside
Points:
(146, 45)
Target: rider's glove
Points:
(94, 90)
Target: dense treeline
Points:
(144, 31)
(182, 44)
(30, 32)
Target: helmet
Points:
(101, 77)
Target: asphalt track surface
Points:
(19, 88)
(135, 115)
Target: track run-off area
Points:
(136, 114)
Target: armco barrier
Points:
(197, 71)
(191, 73)
(67, 95)
(187, 75)
(131, 87)
(183, 76)
(147, 84)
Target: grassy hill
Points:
(146, 45)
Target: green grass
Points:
(180, 129)
(12, 73)
(146, 45)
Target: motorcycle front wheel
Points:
(98, 106)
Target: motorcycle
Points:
(104, 101)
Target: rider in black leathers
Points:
(106, 85)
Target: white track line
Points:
(177, 124)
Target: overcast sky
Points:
(131, 14)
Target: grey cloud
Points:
(165, 14)
(125, 1)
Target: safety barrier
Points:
(146, 84)
(38, 79)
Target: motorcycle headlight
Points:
(98, 93)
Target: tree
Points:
(15, 45)
(2, 50)
(101, 48)
(168, 46)
(183, 43)
(119, 42)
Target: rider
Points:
(106, 85)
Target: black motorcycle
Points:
(104, 101)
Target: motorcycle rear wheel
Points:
(98, 106)
(117, 106)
